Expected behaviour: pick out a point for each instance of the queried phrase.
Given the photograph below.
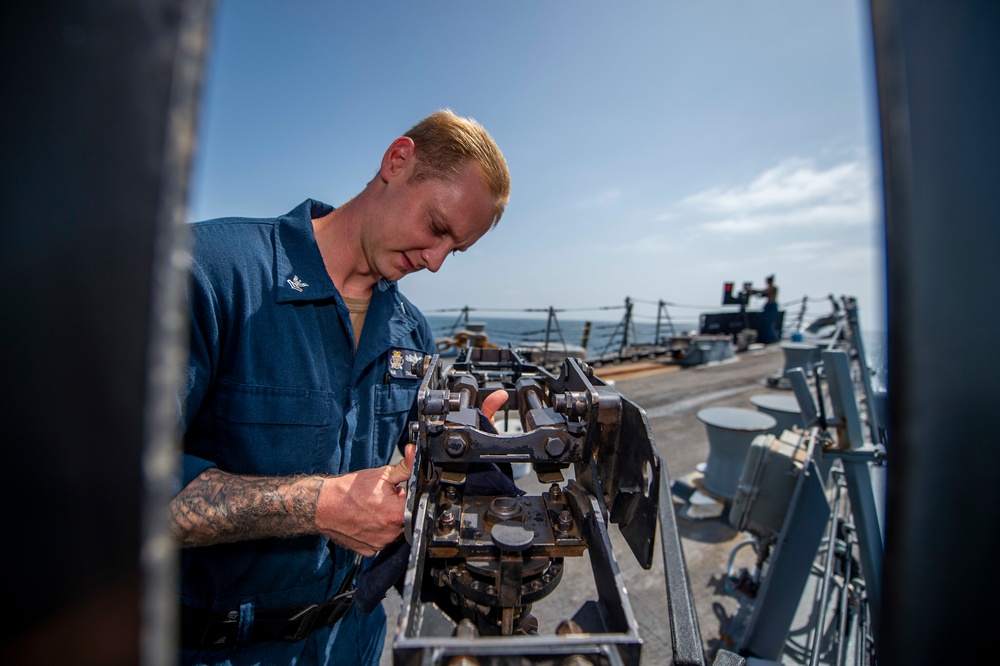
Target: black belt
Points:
(201, 629)
(205, 629)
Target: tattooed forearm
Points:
(218, 507)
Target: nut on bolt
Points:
(455, 445)
(446, 522)
(555, 447)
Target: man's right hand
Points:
(364, 510)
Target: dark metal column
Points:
(99, 109)
(939, 95)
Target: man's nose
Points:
(434, 258)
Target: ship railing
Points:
(646, 329)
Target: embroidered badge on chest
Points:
(406, 363)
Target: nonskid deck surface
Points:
(671, 396)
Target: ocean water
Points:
(605, 336)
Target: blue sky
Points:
(657, 148)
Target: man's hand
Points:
(493, 402)
(364, 510)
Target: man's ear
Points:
(398, 159)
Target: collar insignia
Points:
(296, 284)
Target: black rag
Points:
(389, 565)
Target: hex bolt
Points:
(571, 403)
(455, 445)
(450, 493)
(555, 492)
(555, 447)
(446, 522)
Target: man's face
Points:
(422, 223)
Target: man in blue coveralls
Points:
(298, 388)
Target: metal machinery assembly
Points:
(479, 560)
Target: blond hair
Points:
(445, 142)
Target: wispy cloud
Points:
(794, 193)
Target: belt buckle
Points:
(305, 619)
